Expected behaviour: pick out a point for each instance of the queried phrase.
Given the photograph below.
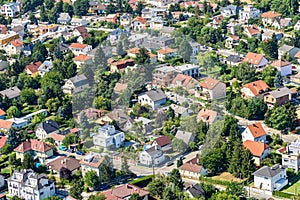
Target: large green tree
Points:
(270, 47)
(81, 7)
(91, 179)
(40, 52)
(185, 50)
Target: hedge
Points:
(142, 182)
(221, 182)
(282, 194)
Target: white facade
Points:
(154, 103)
(30, 186)
(108, 136)
(189, 70)
(249, 12)
(78, 50)
(151, 156)
(247, 135)
(10, 9)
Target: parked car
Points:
(80, 153)
(169, 164)
(62, 148)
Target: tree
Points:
(28, 162)
(70, 139)
(175, 178)
(135, 196)
(81, 7)
(224, 195)
(16, 198)
(185, 50)
(142, 57)
(278, 82)
(68, 8)
(269, 74)
(53, 198)
(270, 47)
(139, 8)
(125, 166)
(156, 187)
(91, 179)
(120, 50)
(100, 59)
(168, 194)
(98, 196)
(65, 173)
(43, 15)
(110, 9)
(206, 60)
(39, 53)
(59, 7)
(179, 145)
(28, 96)
(77, 187)
(101, 103)
(13, 111)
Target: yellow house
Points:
(35, 148)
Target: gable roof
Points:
(209, 83)
(207, 115)
(124, 191)
(81, 29)
(11, 92)
(187, 137)
(196, 191)
(257, 87)
(256, 148)
(184, 79)
(253, 58)
(140, 19)
(82, 57)
(79, 80)
(270, 14)
(78, 46)
(64, 162)
(253, 30)
(3, 140)
(257, 130)
(34, 145)
(280, 63)
(166, 50)
(2, 112)
(280, 92)
(285, 48)
(49, 126)
(57, 137)
(16, 43)
(163, 141)
(190, 167)
(156, 95)
(4, 124)
(33, 67)
(269, 172)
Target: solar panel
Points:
(95, 160)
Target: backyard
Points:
(292, 189)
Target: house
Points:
(184, 81)
(115, 35)
(5, 125)
(147, 125)
(216, 21)
(270, 178)
(195, 191)
(269, 17)
(291, 159)
(268, 34)
(32, 69)
(57, 138)
(189, 70)
(138, 39)
(282, 23)
(181, 111)
(279, 96)
(125, 19)
(196, 47)
(95, 162)
(2, 114)
(80, 30)
(296, 78)
(62, 163)
(46, 128)
(153, 98)
(287, 50)
(96, 7)
(11, 93)
(14, 47)
(255, 132)
(252, 31)
(255, 89)
(232, 41)
(91, 114)
(297, 26)
(75, 84)
(156, 23)
(3, 140)
(191, 169)
(3, 66)
(78, 48)
(119, 116)
(208, 116)
(26, 184)
(123, 192)
(35, 148)
(248, 12)
(138, 23)
(233, 60)
(186, 137)
(151, 156)
(78, 22)
(166, 53)
(256, 60)
(164, 143)
(163, 76)
(118, 66)
(83, 60)
(258, 150)
(108, 137)
(211, 89)
(112, 18)
(63, 18)
(45, 67)
(11, 9)
(19, 29)
(229, 11)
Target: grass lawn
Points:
(6, 170)
(226, 176)
(293, 188)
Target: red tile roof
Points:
(34, 145)
(270, 14)
(140, 19)
(184, 79)
(82, 57)
(122, 192)
(253, 30)
(78, 46)
(256, 148)
(257, 130)
(257, 87)
(2, 112)
(209, 83)
(280, 63)
(166, 50)
(2, 141)
(163, 141)
(57, 137)
(33, 67)
(253, 58)
(4, 124)
(191, 167)
(16, 43)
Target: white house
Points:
(189, 70)
(229, 10)
(138, 23)
(95, 162)
(75, 84)
(78, 22)
(254, 132)
(291, 159)
(45, 67)
(284, 67)
(63, 18)
(255, 89)
(249, 12)
(256, 60)
(10, 9)
(270, 178)
(192, 169)
(28, 185)
(154, 98)
(287, 50)
(211, 89)
(78, 48)
(46, 128)
(14, 47)
(151, 156)
(108, 136)
(297, 26)
(166, 53)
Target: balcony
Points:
(280, 184)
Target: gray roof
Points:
(49, 126)
(234, 58)
(285, 48)
(79, 80)
(187, 137)
(196, 191)
(156, 95)
(63, 16)
(269, 172)
(11, 93)
(167, 29)
(280, 92)
(153, 151)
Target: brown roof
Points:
(253, 30)
(64, 162)
(257, 130)
(16, 43)
(33, 67)
(257, 87)
(166, 50)
(218, 19)
(280, 63)
(138, 18)
(163, 140)
(4, 124)
(297, 55)
(34, 145)
(119, 87)
(78, 46)
(134, 50)
(235, 37)
(209, 83)
(123, 191)
(81, 29)
(253, 58)
(82, 57)
(191, 167)
(57, 137)
(2, 141)
(256, 148)
(97, 164)
(207, 115)
(270, 14)
(2, 112)
(184, 79)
